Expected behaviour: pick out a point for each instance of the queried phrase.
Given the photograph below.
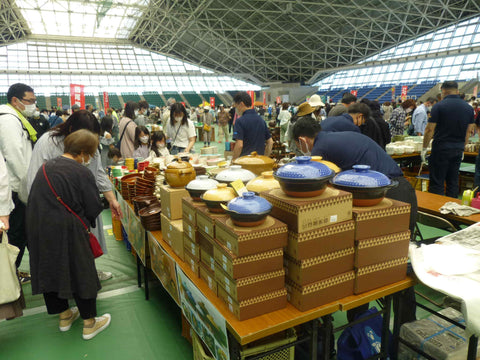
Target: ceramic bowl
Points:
(213, 198)
(368, 187)
(248, 209)
(255, 163)
(235, 172)
(179, 173)
(200, 185)
(303, 177)
(263, 183)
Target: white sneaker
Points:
(104, 275)
(66, 324)
(101, 323)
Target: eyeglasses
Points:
(30, 101)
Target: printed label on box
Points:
(333, 218)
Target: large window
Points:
(462, 67)
(120, 68)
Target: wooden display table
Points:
(431, 203)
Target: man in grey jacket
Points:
(342, 108)
(16, 141)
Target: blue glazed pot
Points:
(368, 187)
(248, 209)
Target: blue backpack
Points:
(363, 340)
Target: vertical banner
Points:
(279, 100)
(106, 102)
(77, 95)
(404, 92)
(59, 103)
(252, 95)
(212, 102)
(475, 91)
(354, 92)
(393, 93)
(264, 98)
(183, 103)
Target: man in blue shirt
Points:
(420, 116)
(342, 122)
(451, 125)
(250, 131)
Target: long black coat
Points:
(60, 257)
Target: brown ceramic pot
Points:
(179, 173)
(255, 163)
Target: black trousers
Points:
(16, 232)
(406, 193)
(56, 305)
(444, 165)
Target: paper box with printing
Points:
(192, 262)
(206, 221)
(190, 230)
(377, 275)
(306, 214)
(381, 249)
(172, 232)
(172, 201)
(190, 209)
(207, 275)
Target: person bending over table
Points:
(346, 149)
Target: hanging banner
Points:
(354, 92)
(59, 102)
(183, 103)
(212, 102)
(475, 91)
(404, 92)
(106, 102)
(279, 100)
(393, 93)
(77, 95)
(264, 98)
(252, 96)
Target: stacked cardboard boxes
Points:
(319, 259)
(191, 234)
(382, 237)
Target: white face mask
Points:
(178, 118)
(408, 111)
(144, 139)
(36, 114)
(307, 152)
(136, 113)
(86, 163)
(29, 109)
(160, 145)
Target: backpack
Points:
(361, 341)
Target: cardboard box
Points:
(189, 208)
(207, 275)
(241, 241)
(321, 267)
(172, 232)
(252, 286)
(192, 262)
(190, 230)
(239, 267)
(320, 293)
(206, 221)
(388, 217)
(381, 249)
(205, 242)
(256, 306)
(191, 246)
(321, 241)
(306, 214)
(207, 259)
(374, 276)
(172, 201)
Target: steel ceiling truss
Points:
(289, 40)
(12, 24)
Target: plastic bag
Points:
(9, 285)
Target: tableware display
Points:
(255, 163)
(248, 210)
(234, 172)
(264, 182)
(179, 173)
(200, 185)
(213, 198)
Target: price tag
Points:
(239, 187)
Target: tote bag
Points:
(9, 285)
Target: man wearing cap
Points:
(16, 142)
(342, 108)
(250, 130)
(316, 102)
(450, 126)
(75, 107)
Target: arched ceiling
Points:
(271, 40)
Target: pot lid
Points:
(304, 168)
(253, 159)
(264, 182)
(179, 164)
(220, 193)
(361, 176)
(202, 182)
(249, 203)
(235, 172)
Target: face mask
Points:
(160, 145)
(178, 118)
(307, 152)
(86, 163)
(408, 111)
(29, 109)
(36, 114)
(144, 139)
(136, 112)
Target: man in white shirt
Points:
(420, 116)
(16, 141)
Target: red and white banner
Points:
(354, 92)
(475, 91)
(252, 95)
(264, 98)
(404, 92)
(183, 103)
(77, 95)
(59, 103)
(279, 100)
(212, 102)
(106, 102)
(393, 93)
